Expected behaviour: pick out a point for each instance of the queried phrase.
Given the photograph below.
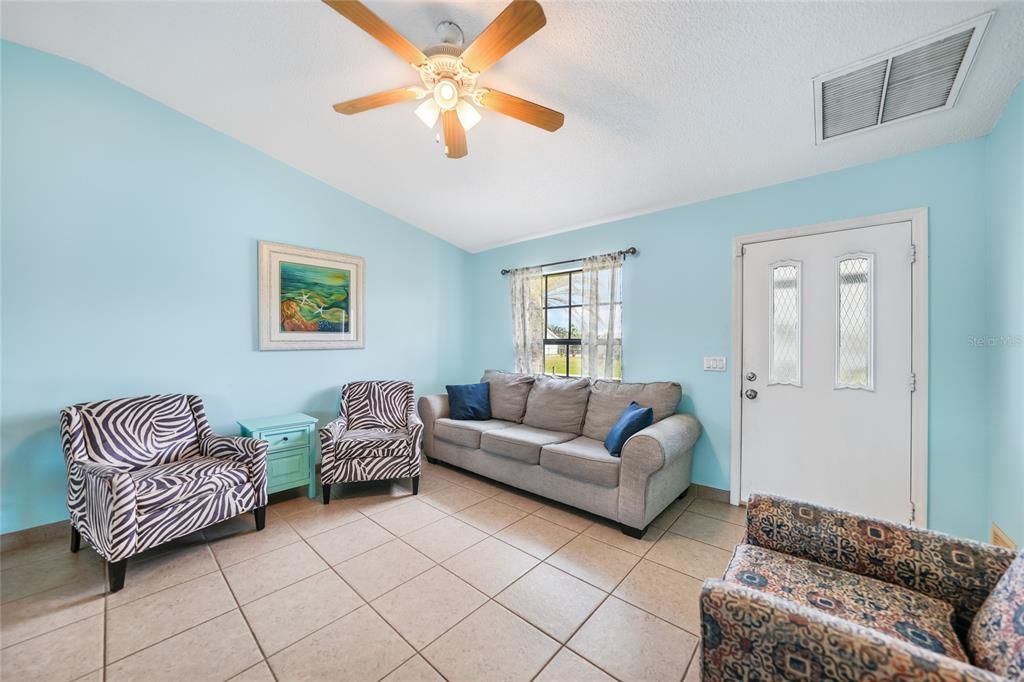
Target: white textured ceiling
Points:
(665, 103)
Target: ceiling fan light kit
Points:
(449, 73)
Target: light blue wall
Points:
(129, 267)
(1005, 346)
(677, 301)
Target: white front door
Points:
(826, 369)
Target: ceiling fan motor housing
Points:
(445, 65)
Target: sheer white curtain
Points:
(528, 318)
(601, 333)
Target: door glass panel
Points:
(784, 332)
(855, 351)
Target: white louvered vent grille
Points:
(915, 79)
(922, 79)
(851, 102)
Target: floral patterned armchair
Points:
(143, 471)
(377, 436)
(817, 593)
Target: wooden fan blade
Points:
(379, 99)
(360, 15)
(522, 109)
(516, 23)
(454, 135)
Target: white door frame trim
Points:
(918, 218)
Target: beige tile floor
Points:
(469, 581)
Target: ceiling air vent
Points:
(918, 78)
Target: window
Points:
(563, 311)
(565, 316)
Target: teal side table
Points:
(291, 457)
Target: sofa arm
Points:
(655, 468)
(748, 634)
(431, 408)
(656, 446)
(960, 572)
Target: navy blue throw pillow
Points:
(633, 419)
(469, 401)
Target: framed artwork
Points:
(309, 298)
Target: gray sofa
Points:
(546, 436)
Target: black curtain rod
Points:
(631, 251)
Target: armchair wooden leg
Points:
(115, 574)
(76, 540)
(415, 485)
(327, 493)
(261, 517)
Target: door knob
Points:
(750, 393)
(751, 376)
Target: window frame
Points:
(569, 342)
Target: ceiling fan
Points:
(449, 73)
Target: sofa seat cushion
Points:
(160, 486)
(466, 433)
(608, 400)
(584, 459)
(891, 609)
(521, 442)
(361, 443)
(996, 637)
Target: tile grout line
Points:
(446, 514)
(238, 605)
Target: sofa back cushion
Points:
(996, 637)
(608, 400)
(509, 392)
(557, 404)
(133, 433)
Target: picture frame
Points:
(310, 299)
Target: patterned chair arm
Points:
(748, 634)
(250, 452)
(960, 572)
(415, 430)
(101, 501)
(329, 436)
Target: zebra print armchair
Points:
(376, 436)
(143, 471)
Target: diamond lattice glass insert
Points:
(784, 359)
(854, 355)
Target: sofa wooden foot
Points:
(115, 574)
(76, 540)
(431, 460)
(415, 485)
(261, 517)
(632, 532)
(327, 493)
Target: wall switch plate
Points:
(714, 364)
